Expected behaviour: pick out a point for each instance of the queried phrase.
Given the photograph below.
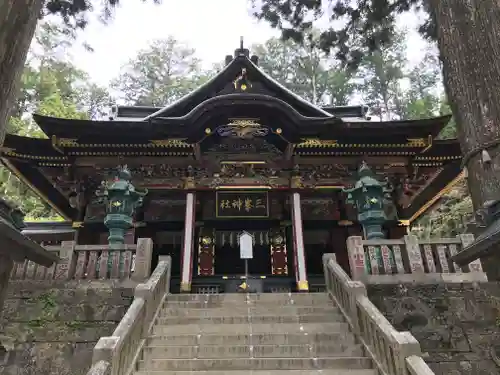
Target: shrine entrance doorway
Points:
(226, 250)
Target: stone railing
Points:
(121, 350)
(91, 262)
(411, 260)
(393, 352)
(32, 271)
(100, 368)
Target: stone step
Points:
(232, 304)
(252, 351)
(253, 319)
(231, 300)
(250, 296)
(265, 372)
(250, 328)
(252, 364)
(247, 310)
(254, 339)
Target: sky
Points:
(212, 27)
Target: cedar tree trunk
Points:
(18, 19)
(469, 44)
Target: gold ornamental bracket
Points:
(77, 224)
(170, 142)
(425, 143)
(59, 143)
(316, 142)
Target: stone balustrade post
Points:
(104, 350)
(66, 267)
(356, 254)
(167, 258)
(475, 266)
(415, 260)
(143, 256)
(356, 290)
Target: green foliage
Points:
(360, 27)
(160, 74)
(380, 75)
(48, 308)
(51, 85)
(74, 13)
(450, 218)
(450, 130)
(306, 71)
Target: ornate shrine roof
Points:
(240, 114)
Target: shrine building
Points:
(239, 153)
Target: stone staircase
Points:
(260, 334)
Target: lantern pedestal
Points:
(117, 224)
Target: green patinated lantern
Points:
(369, 196)
(121, 199)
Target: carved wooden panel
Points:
(320, 209)
(165, 210)
(278, 248)
(206, 252)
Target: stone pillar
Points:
(475, 266)
(298, 240)
(416, 263)
(357, 260)
(65, 268)
(143, 255)
(187, 249)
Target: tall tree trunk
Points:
(18, 19)
(469, 44)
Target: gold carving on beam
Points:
(243, 129)
(189, 183)
(420, 142)
(67, 142)
(316, 142)
(404, 223)
(173, 142)
(296, 182)
(76, 224)
(345, 223)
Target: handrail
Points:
(393, 352)
(122, 349)
(100, 368)
(417, 366)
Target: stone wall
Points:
(51, 328)
(457, 324)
